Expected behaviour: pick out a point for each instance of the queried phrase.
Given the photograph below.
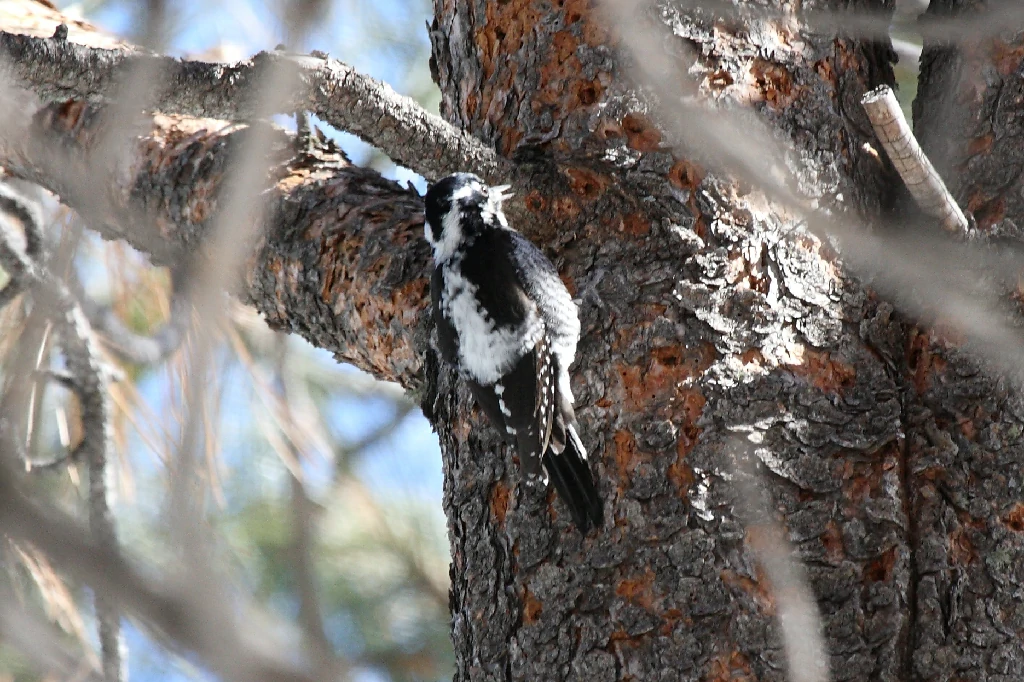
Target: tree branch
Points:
(164, 607)
(918, 173)
(340, 260)
(58, 70)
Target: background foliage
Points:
(368, 459)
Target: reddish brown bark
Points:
(700, 320)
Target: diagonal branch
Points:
(340, 260)
(58, 70)
(163, 605)
(917, 171)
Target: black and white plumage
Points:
(506, 321)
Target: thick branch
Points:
(341, 260)
(58, 70)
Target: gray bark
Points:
(964, 456)
(706, 314)
(58, 69)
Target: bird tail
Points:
(570, 473)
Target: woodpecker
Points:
(507, 323)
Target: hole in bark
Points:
(589, 93)
(1015, 519)
(535, 202)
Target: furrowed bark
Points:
(964, 451)
(888, 455)
(706, 314)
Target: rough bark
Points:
(706, 314)
(58, 69)
(340, 261)
(963, 422)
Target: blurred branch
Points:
(908, 52)
(137, 348)
(239, 652)
(326, 662)
(381, 525)
(918, 173)
(238, 223)
(402, 410)
(88, 376)
(57, 70)
(796, 606)
(42, 643)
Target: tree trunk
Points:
(963, 422)
(707, 315)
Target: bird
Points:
(508, 325)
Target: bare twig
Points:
(237, 650)
(85, 364)
(918, 173)
(346, 99)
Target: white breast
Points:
(486, 353)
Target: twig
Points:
(85, 364)
(335, 92)
(237, 650)
(918, 173)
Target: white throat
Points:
(451, 236)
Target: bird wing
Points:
(447, 340)
(554, 303)
(520, 357)
(545, 399)
(488, 305)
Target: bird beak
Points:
(501, 192)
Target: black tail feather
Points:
(570, 474)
